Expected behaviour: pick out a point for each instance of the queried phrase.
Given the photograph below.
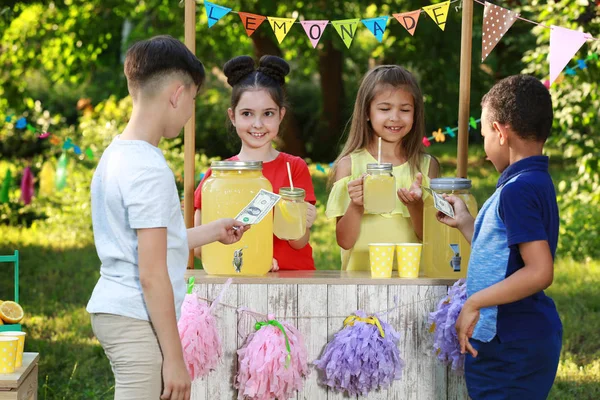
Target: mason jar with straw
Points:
(290, 212)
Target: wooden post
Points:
(464, 99)
(189, 132)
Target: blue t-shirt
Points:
(522, 209)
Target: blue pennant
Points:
(376, 26)
(214, 12)
(21, 123)
(450, 132)
(581, 64)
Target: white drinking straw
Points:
(290, 176)
(379, 152)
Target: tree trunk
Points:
(331, 62)
(290, 137)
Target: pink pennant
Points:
(564, 43)
(314, 30)
(27, 186)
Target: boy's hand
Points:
(412, 195)
(465, 325)
(177, 383)
(229, 230)
(311, 215)
(462, 217)
(356, 192)
(274, 266)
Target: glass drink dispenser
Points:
(445, 251)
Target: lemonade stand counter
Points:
(317, 302)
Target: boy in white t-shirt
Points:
(139, 232)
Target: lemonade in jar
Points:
(446, 252)
(379, 189)
(231, 186)
(290, 214)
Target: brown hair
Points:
(149, 60)
(361, 133)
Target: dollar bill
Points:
(440, 203)
(258, 208)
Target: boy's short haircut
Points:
(149, 61)
(524, 103)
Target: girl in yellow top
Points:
(389, 105)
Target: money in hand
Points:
(440, 203)
(258, 208)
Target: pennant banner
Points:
(47, 175)
(346, 28)
(438, 13)
(251, 21)
(21, 123)
(27, 189)
(314, 30)
(564, 43)
(409, 20)
(496, 22)
(376, 26)
(281, 26)
(214, 12)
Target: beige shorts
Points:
(132, 348)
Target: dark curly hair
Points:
(270, 75)
(523, 102)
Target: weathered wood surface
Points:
(322, 308)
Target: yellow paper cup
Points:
(21, 345)
(8, 354)
(409, 258)
(381, 256)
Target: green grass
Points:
(58, 273)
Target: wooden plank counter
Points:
(322, 299)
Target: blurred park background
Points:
(61, 69)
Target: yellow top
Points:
(395, 227)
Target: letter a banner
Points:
(376, 26)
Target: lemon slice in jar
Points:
(286, 211)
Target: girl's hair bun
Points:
(238, 68)
(274, 67)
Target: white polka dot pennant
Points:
(496, 22)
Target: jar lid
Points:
(387, 167)
(236, 165)
(296, 193)
(450, 184)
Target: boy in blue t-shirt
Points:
(508, 326)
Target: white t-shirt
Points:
(134, 188)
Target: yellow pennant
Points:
(47, 177)
(281, 26)
(438, 13)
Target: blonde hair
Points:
(361, 133)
